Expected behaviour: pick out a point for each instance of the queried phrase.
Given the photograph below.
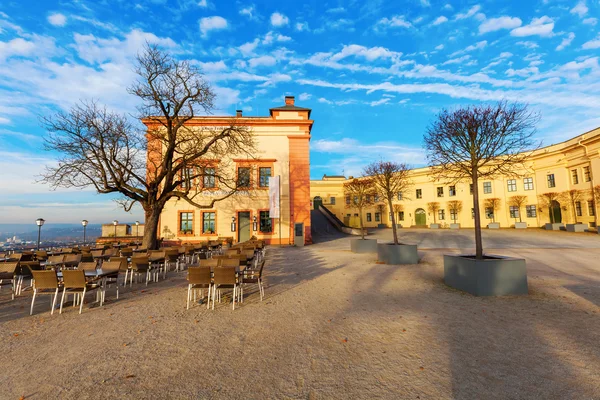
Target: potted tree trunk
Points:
(455, 207)
(492, 204)
(433, 207)
(573, 196)
(518, 202)
(398, 208)
(360, 192)
(389, 179)
(381, 211)
(474, 143)
(549, 200)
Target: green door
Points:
(318, 201)
(243, 226)
(556, 213)
(420, 217)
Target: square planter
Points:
(381, 226)
(520, 225)
(494, 225)
(454, 226)
(492, 276)
(554, 227)
(363, 246)
(397, 254)
(434, 226)
(398, 226)
(579, 227)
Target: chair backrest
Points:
(72, 258)
(15, 257)
(249, 253)
(126, 252)
(199, 275)
(115, 264)
(74, 279)
(230, 262)
(262, 266)
(156, 254)
(45, 279)
(87, 256)
(225, 276)
(210, 263)
(87, 266)
(172, 254)
(56, 259)
(41, 255)
(140, 263)
(232, 252)
(97, 253)
(8, 267)
(111, 252)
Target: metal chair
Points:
(45, 282)
(198, 278)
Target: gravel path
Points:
(333, 325)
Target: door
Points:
(556, 213)
(243, 226)
(420, 217)
(318, 201)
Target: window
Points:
(332, 200)
(578, 208)
(528, 183)
(551, 182)
(440, 192)
(512, 185)
(368, 198)
(356, 215)
(399, 196)
(264, 173)
(451, 191)
(514, 211)
(453, 215)
(186, 173)
(208, 222)
(587, 176)
(244, 177)
(347, 200)
(472, 213)
(401, 215)
(441, 215)
(419, 194)
(470, 188)
(487, 187)
(355, 199)
(266, 223)
(377, 217)
(489, 213)
(376, 198)
(591, 208)
(186, 222)
(208, 180)
(368, 217)
(531, 212)
(574, 176)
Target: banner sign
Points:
(274, 197)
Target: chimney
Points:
(238, 113)
(289, 100)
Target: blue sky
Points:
(375, 73)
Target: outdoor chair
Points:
(139, 265)
(198, 278)
(126, 252)
(41, 255)
(97, 253)
(7, 274)
(171, 257)
(251, 277)
(55, 261)
(233, 252)
(211, 263)
(230, 262)
(116, 264)
(14, 257)
(157, 259)
(224, 278)
(45, 282)
(74, 283)
(23, 272)
(72, 260)
(87, 266)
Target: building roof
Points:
(289, 107)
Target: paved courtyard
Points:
(333, 325)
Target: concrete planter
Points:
(434, 226)
(398, 226)
(554, 227)
(397, 254)
(363, 246)
(381, 226)
(577, 227)
(454, 226)
(494, 225)
(492, 276)
(520, 225)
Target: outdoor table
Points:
(50, 264)
(100, 273)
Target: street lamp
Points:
(137, 229)
(254, 224)
(115, 223)
(39, 222)
(84, 223)
(232, 224)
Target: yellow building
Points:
(570, 165)
(282, 142)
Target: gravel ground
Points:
(333, 325)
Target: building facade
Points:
(571, 166)
(282, 143)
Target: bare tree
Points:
(494, 204)
(480, 142)
(573, 196)
(547, 200)
(361, 194)
(455, 207)
(433, 207)
(389, 179)
(103, 150)
(381, 211)
(398, 208)
(519, 202)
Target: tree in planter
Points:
(389, 179)
(494, 204)
(547, 200)
(433, 207)
(455, 207)
(361, 195)
(103, 150)
(381, 211)
(519, 202)
(480, 142)
(573, 196)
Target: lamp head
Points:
(115, 222)
(137, 223)
(39, 221)
(84, 222)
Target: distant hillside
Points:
(62, 232)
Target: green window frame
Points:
(266, 223)
(186, 222)
(208, 222)
(264, 173)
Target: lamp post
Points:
(39, 222)
(254, 224)
(115, 223)
(84, 223)
(137, 229)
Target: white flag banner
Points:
(274, 197)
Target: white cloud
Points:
(336, 10)
(212, 66)
(592, 44)
(208, 24)
(528, 44)
(580, 9)
(425, 3)
(458, 60)
(471, 12)
(447, 7)
(369, 53)
(324, 100)
(247, 49)
(440, 20)
(439, 47)
(477, 46)
(380, 102)
(17, 47)
(566, 41)
(524, 72)
(57, 19)
(249, 12)
(590, 21)
(278, 19)
(496, 24)
(203, 3)
(301, 26)
(542, 26)
(262, 61)
(397, 21)
(304, 96)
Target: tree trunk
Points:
(360, 219)
(574, 212)
(434, 217)
(551, 212)
(150, 240)
(478, 242)
(519, 211)
(394, 230)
